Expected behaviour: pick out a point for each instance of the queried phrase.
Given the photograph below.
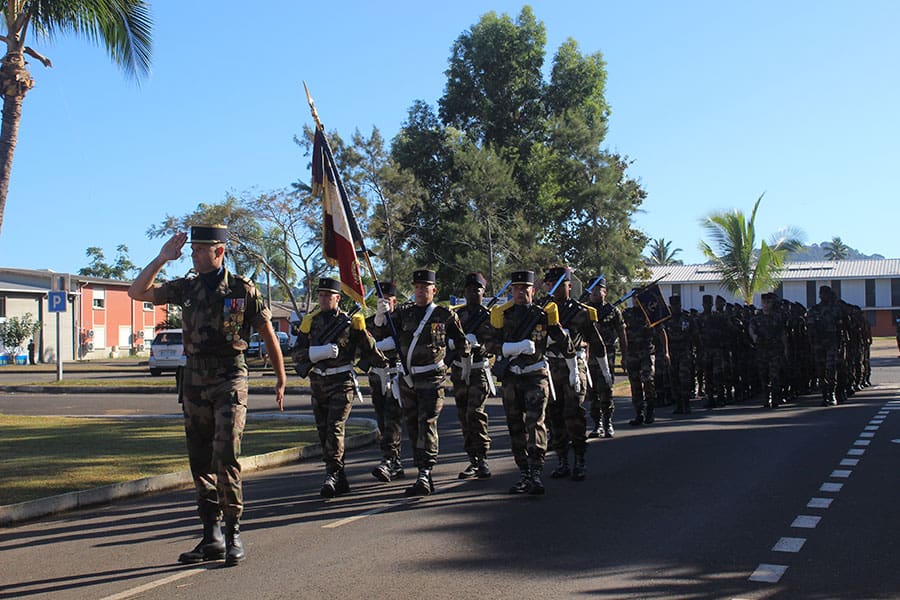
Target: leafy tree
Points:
(744, 269)
(661, 253)
(836, 249)
(15, 330)
(122, 26)
(121, 269)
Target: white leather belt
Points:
(418, 370)
(528, 369)
(478, 365)
(332, 370)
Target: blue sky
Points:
(715, 102)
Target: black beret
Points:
(522, 277)
(327, 284)
(209, 234)
(424, 276)
(600, 282)
(707, 297)
(554, 273)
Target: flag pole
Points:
(362, 242)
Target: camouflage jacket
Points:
(640, 335)
(682, 333)
(770, 331)
(825, 325)
(580, 322)
(431, 345)
(469, 316)
(217, 312)
(609, 323)
(507, 325)
(335, 327)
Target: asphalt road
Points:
(739, 502)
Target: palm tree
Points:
(836, 249)
(660, 255)
(745, 269)
(123, 26)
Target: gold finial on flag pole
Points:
(312, 108)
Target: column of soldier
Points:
(551, 354)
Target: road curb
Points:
(33, 509)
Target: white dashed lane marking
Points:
(849, 462)
(856, 452)
(768, 573)
(819, 502)
(831, 487)
(862, 442)
(789, 544)
(806, 522)
(841, 473)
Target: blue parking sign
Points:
(56, 302)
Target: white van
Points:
(167, 351)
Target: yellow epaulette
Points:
(552, 313)
(497, 314)
(358, 322)
(306, 323)
(592, 312)
(456, 307)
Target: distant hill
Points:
(816, 252)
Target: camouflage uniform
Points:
(770, 336)
(385, 390)
(600, 392)
(422, 333)
(682, 337)
(218, 311)
(471, 395)
(567, 415)
(639, 364)
(713, 351)
(825, 326)
(526, 380)
(332, 381)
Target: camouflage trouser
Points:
(214, 401)
(422, 406)
(826, 358)
(566, 413)
(681, 377)
(332, 399)
(641, 379)
(389, 416)
(524, 401)
(599, 393)
(714, 374)
(662, 381)
(769, 363)
(473, 419)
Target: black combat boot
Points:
(608, 429)
(579, 471)
(212, 546)
(382, 472)
(597, 431)
(343, 486)
(329, 486)
(562, 469)
(397, 471)
(523, 486)
(537, 484)
(234, 549)
(423, 485)
(482, 471)
(637, 420)
(471, 470)
(649, 418)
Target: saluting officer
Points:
(471, 395)
(424, 328)
(328, 342)
(219, 309)
(520, 332)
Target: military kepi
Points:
(424, 276)
(209, 234)
(388, 288)
(476, 279)
(327, 284)
(522, 277)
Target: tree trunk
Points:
(490, 250)
(15, 81)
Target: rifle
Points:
(501, 366)
(330, 333)
(475, 321)
(607, 308)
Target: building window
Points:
(895, 292)
(702, 288)
(99, 299)
(811, 294)
(2, 307)
(148, 306)
(836, 288)
(870, 292)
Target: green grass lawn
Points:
(44, 456)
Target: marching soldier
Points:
(219, 310)
(385, 385)
(570, 376)
(612, 328)
(767, 330)
(423, 329)
(520, 333)
(471, 395)
(824, 325)
(682, 337)
(639, 363)
(326, 346)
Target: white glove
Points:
(383, 308)
(473, 340)
(324, 352)
(574, 379)
(451, 345)
(385, 344)
(466, 368)
(512, 349)
(604, 368)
